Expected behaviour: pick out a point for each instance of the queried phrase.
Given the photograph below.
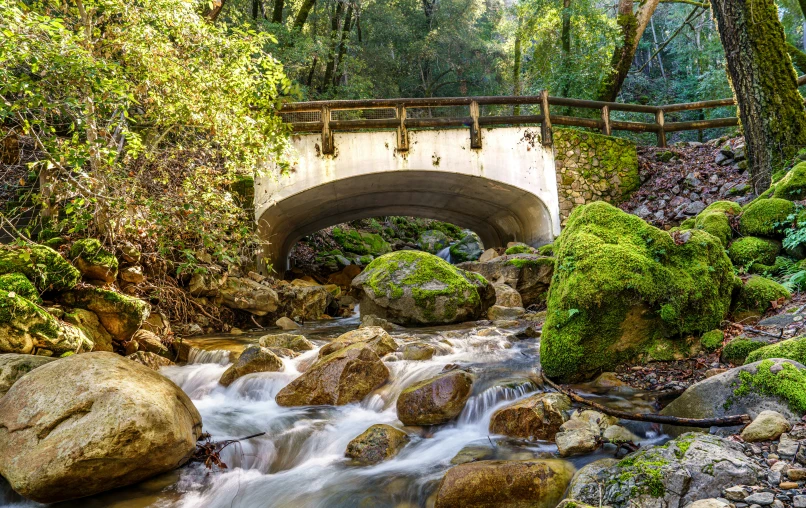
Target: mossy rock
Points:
(757, 293)
(715, 219)
(121, 315)
(361, 243)
(793, 185)
(748, 250)
(433, 241)
(254, 359)
(520, 248)
(43, 266)
(26, 328)
(711, 341)
(19, 284)
(791, 349)
(765, 217)
(546, 250)
(93, 261)
(737, 350)
(621, 284)
(417, 288)
(468, 248)
(89, 323)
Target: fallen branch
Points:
(727, 421)
(762, 332)
(209, 452)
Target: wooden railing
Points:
(404, 114)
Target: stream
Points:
(300, 460)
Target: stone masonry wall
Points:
(593, 167)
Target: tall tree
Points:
(764, 83)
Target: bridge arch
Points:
(505, 191)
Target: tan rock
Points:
(537, 417)
(89, 323)
(13, 366)
(436, 400)
(768, 425)
(291, 341)
(505, 296)
(151, 360)
(253, 359)
(286, 324)
(374, 336)
(376, 444)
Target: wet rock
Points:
(576, 442)
(121, 315)
(528, 274)
(418, 351)
(14, 366)
(512, 483)
(253, 359)
(469, 248)
(619, 434)
(760, 498)
(242, 293)
(374, 336)
(304, 302)
(376, 444)
(90, 423)
(587, 476)
(496, 313)
(505, 296)
(436, 400)
(151, 360)
(433, 241)
(689, 468)
(368, 320)
(93, 261)
(537, 417)
(285, 323)
(416, 288)
(26, 328)
(768, 425)
(346, 376)
(290, 341)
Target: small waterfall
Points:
(445, 254)
(219, 356)
(479, 406)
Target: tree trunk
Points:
(565, 39)
(655, 40)
(345, 31)
(302, 15)
(277, 13)
(764, 83)
(212, 14)
(334, 29)
(632, 27)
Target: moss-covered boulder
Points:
(346, 376)
(361, 243)
(757, 294)
(376, 444)
(793, 185)
(121, 315)
(621, 285)
(19, 284)
(469, 248)
(751, 249)
(513, 483)
(715, 219)
(791, 349)
(765, 217)
(433, 241)
(93, 261)
(89, 323)
(537, 417)
(520, 248)
(43, 266)
(737, 350)
(436, 400)
(417, 288)
(374, 336)
(14, 366)
(711, 341)
(27, 328)
(290, 341)
(254, 359)
(528, 274)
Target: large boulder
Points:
(26, 328)
(537, 417)
(305, 302)
(90, 423)
(291, 341)
(374, 336)
(245, 294)
(346, 376)
(43, 266)
(511, 483)
(691, 467)
(436, 400)
(121, 315)
(433, 241)
(765, 217)
(528, 274)
(773, 384)
(749, 250)
(622, 289)
(376, 444)
(14, 366)
(89, 323)
(253, 359)
(468, 248)
(417, 288)
(93, 261)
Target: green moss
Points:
(765, 217)
(91, 251)
(793, 185)
(41, 265)
(519, 249)
(750, 249)
(715, 219)
(791, 349)
(728, 207)
(757, 293)
(711, 341)
(736, 351)
(620, 284)
(361, 243)
(18, 309)
(789, 384)
(643, 469)
(688, 223)
(527, 262)
(19, 284)
(546, 250)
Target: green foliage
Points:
(791, 349)
(90, 250)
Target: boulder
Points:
(715, 219)
(149, 342)
(468, 248)
(528, 274)
(737, 350)
(346, 376)
(121, 315)
(587, 476)
(624, 290)
(303, 302)
(497, 312)
(253, 359)
(13, 366)
(511, 483)
(91, 423)
(775, 385)
(433, 241)
(765, 217)
(791, 349)
(749, 250)
(26, 328)
(767, 426)
(376, 444)
(757, 294)
(536, 417)
(241, 293)
(436, 400)
(360, 243)
(43, 266)
(93, 261)
(89, 323)
(418, 351)
(488, 255)
(505, 296)
(576, 442)
(417, 288)
(19, 284)
(373, 336)
(617, 434)
(287, 324)
(373, 320)
(290, 341)
(691, 467)
(792, 186)
(150, 360)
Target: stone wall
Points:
(593, 167)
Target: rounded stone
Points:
(537, 417)
(376, 444)
(436, 400)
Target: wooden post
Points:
(545, 127)
(475, 132)
(327, 134)
(606, 130)
(402, 132)
(661, 131)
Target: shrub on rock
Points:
(621, 285)
(91, 423)
(750, 249)
(43, 266)
(93, 261)
(121, 315)
(765, 217)
(417, 288)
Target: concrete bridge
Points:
(473, 166)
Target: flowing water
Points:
(300, 460)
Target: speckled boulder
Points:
(436, 400)
(376, 444)
(537, 417)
